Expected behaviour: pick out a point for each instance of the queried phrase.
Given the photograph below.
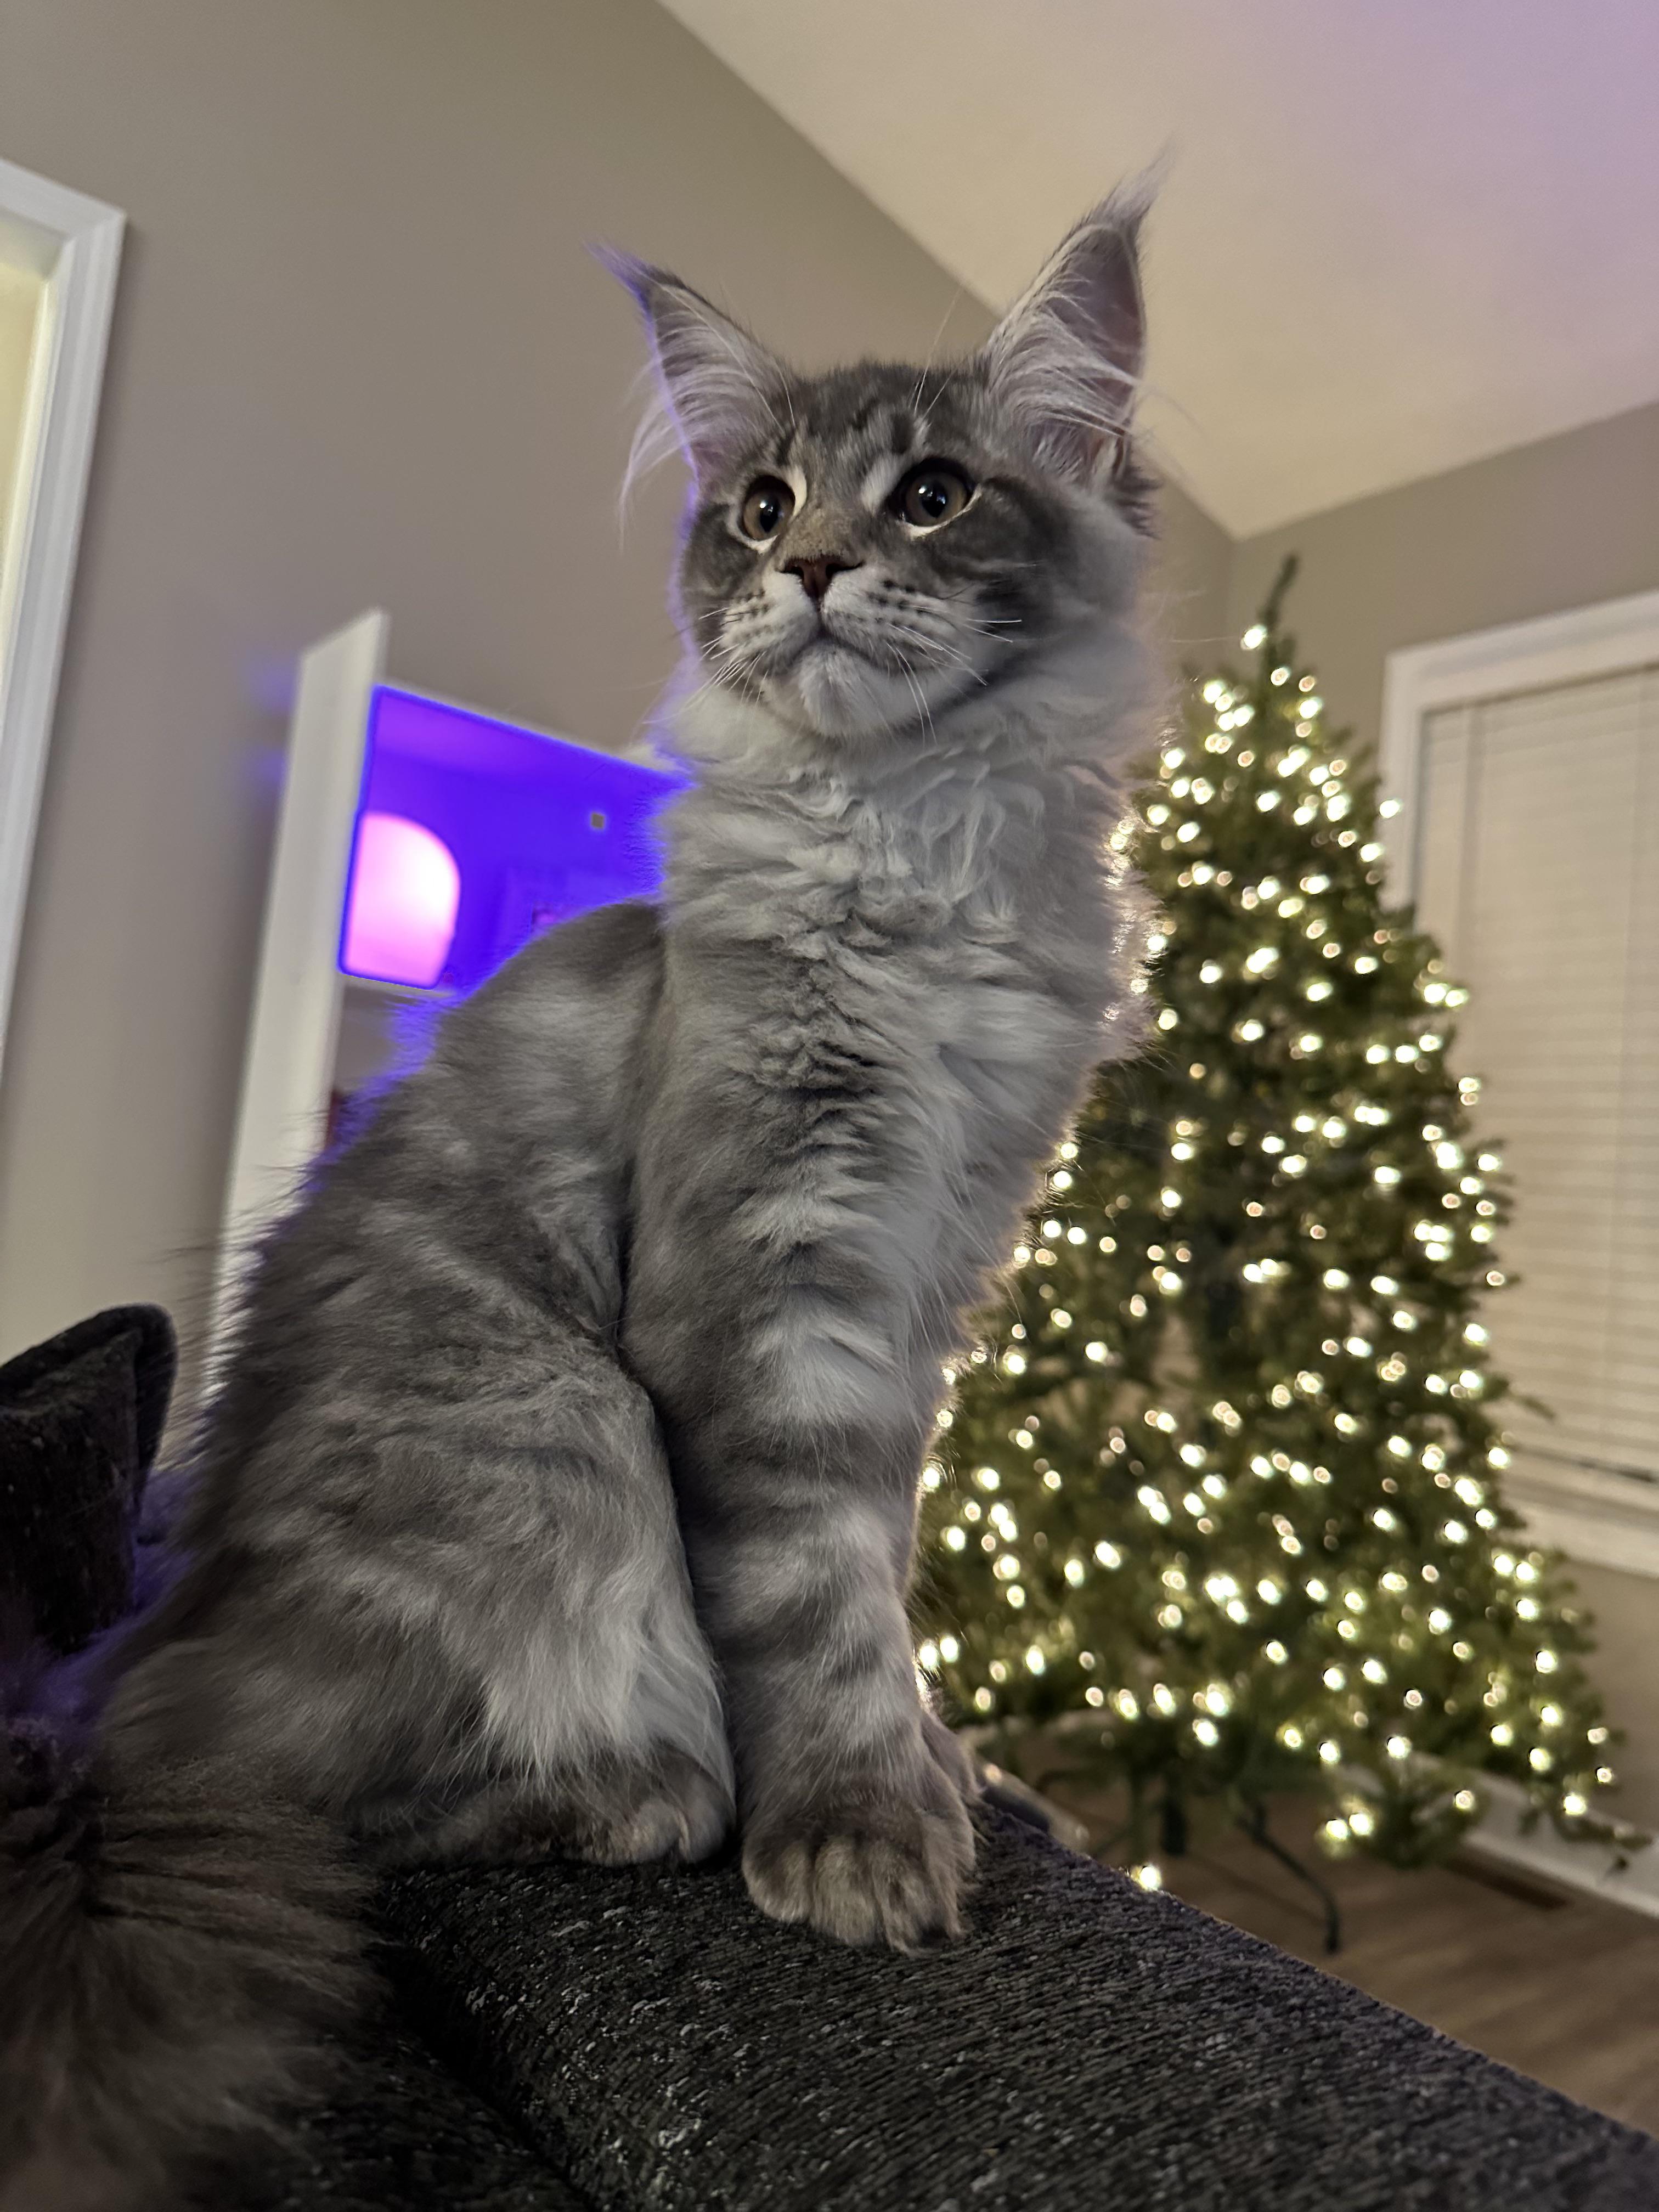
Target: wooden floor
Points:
(1554, 1983)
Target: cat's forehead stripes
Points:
(879, 480)
(910, 438)
(855, 445)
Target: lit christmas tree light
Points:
(1219, 1506)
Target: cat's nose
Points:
(815, 573)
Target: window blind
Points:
(1538, 870)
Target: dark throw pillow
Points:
(81, 1417)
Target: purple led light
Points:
(536, 830)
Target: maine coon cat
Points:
(559, 1496)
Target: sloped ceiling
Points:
(1396, 235)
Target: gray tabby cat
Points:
(560, 1496)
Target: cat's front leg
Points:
(853, 1798)
(783, 1312)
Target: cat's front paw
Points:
(870, 1865)
(671, 1808)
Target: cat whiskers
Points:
(923, 712)
(938, 650)
(727, 660)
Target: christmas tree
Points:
(1217, 1508)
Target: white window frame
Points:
(1597, 1518)
(75, 244)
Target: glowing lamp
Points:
(405, 896)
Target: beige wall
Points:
(1560, 524)
(1625, 1609)
(1190, 580)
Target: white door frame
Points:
(282, 1114)
(1591, 1516)
(75, 244)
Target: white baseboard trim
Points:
(1591, 1867)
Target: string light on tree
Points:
(1238, 1416)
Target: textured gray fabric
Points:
(1086, 2045)
(401, 2133)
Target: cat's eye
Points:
(767, 505)
(931, 494)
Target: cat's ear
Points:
(1066, 360)
(720, 390)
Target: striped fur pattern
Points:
(560, 1494)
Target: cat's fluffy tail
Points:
(170, 1942)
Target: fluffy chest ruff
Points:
(903, 979)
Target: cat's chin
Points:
(834, 691)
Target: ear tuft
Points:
(1066, 358)
(719, 390)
